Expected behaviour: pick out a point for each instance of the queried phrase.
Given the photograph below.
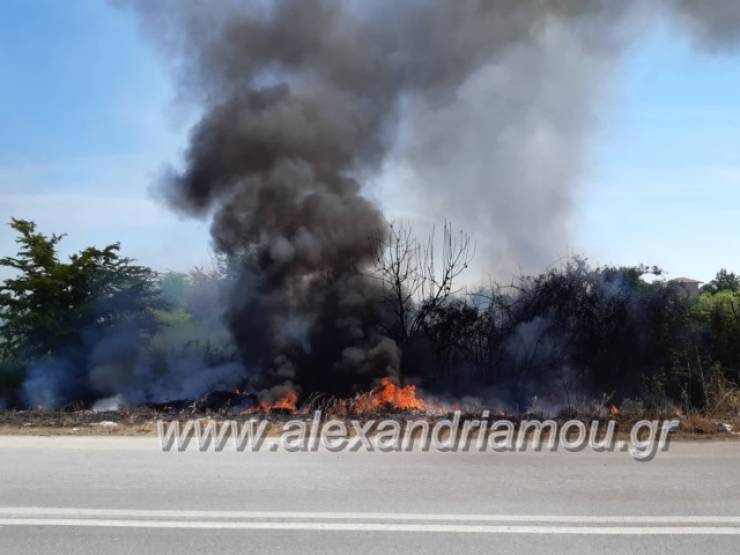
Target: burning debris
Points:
(388, 396)
(280, 399)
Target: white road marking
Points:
(70, 512)
(372, 522)
(377, 527)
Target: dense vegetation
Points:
(97, 324)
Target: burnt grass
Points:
(141, 420)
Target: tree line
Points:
(564, 337)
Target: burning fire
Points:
(287, 402)
(388, 395)
(614, 411)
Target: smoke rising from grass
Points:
(487, 106)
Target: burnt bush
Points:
(575, 332)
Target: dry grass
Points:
(143, 423)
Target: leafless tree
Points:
(417, 279)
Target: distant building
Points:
(691, 286)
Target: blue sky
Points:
(88, 121)
(663, 185)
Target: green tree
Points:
(721, 316)
(51, 306)
(723, 281)
(174, 289)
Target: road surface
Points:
(123, 495)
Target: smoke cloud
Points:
(712, 24)
(482, 108)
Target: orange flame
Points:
(342, 407)
(614, 411)
(388, 395)
(287, 402)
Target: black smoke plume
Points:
(303, 100)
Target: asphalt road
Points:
(123, 495)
